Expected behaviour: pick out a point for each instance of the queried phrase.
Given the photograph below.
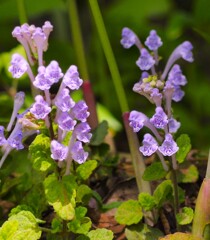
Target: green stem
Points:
(176, 194)
(43, 229)
(22, 11)
(109, 55)
(138, 165)
(77, 38)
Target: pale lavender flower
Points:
(128, 38)
(178, 94)
(47, 29)
(16, 140)
(144, 75)
(184, 51)
(159, 119)
(78, 153)
(65, 122)
(169, 146)
(79, 111)
(156, 96)
(19, 65)
(58, 150)
(173, 125)
(145, 61)
(53, 72)
(18, 102)
(150, 145)
(71, 79)
(176, 77)
(39, 39)
(137, 120)
(63, 101)
(2, 138)
(40, 108)
(153, 41)
(82, 132)
(41, 81)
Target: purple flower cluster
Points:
(70, 118)
(159, 89)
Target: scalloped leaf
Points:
(61, 195)
(154, 172)
(100, 233)
(22, 225)
(40, 153)
(129, 212)
(86, 169)
(183, 142)
(185, 216)
(180, 236)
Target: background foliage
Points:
(174, 20)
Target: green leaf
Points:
(22, 225)
(154, 172)
(84, 193)
(86, 169)
(109, 206)
(181, 236)
(184, 145)
(189, 175)
(56, 225)
(61, 195)
(163, 192)
(142, 232)
(40, 153)
(129, 212)
(146, 201)
(8, 229)
(100, 233)
(185, 217)
(99, 134)
(80, 224)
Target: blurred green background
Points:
(174, 20)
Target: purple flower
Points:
(2, 138)
(176, 77)
(169, 146)
(153, 42)
(71, 78)
(78, 153)
(156, 96)
(173, 125)
(16, 140)
(79, 111)
(53, 72)
(145, 61)
(40, 108)
(159, 119)
(184, 51)
(82, 132)
(137, 120)
(128, 38)
(41, 81)
(47, 29)
(58, 150)
(150, 145)
(65, 122)
(178, 94)
(18, 65)
(18, 102)
(39, 38)
(63, 101)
